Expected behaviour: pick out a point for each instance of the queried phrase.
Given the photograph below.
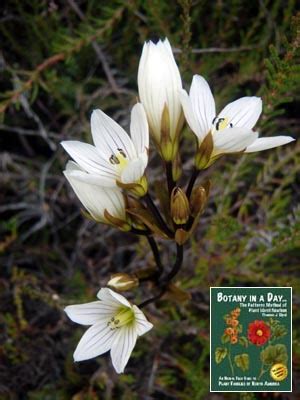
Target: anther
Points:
(122, 152)
(220, 120)
(113, 159)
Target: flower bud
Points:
(123, 282)
(180, 209)
(198, 200)
(159, 83)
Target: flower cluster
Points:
(259, 332)
(232, 322)
(109, 179)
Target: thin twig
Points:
(99, 53)
(220, 49)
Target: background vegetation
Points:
(61, 59)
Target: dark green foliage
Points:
(59, 60)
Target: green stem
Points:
(230, 361)
(262, 371)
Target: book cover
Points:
(250, 339)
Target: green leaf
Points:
(220, 354)
(242, 361)
(243, 341)
(274, 354)
(225, 338)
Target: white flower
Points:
(159, 83)
(115, 157)
(102, 203)
(232, 129)
(116, 324)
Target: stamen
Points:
(122, 152)
(220, 120)
(222, 123)
(124, 317)
(120, 159)
(114, 159)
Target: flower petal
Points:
(142, 324)
(90, 313)
(97, 340)
(88, 158)
(268, 143)
(109, 296)
(94, 179)
(109, 136)
(139, 128)
(243, 112)
(203, 104)
(96, 198)
(189, 115)
(233, 140)
(122, 347)
(133, 171)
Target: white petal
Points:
(108, 136)
(203, 104)
(268, 143)
(90, 313)
(96, 198)
(159, 82)
(142, 324)
(243, 112)
(122, 347)
(133, 171)
(111, 297)
(233, 140)
(88, 158)
(94, 179)
(189, 115)
(139, 128)
(97, 340)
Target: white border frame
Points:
(291, 338)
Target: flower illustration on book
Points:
(231, 337)
(259, 332)
(273, 357)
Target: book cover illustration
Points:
(250, 339)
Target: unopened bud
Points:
(180, 209)
(123, 282)
(198, 199)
